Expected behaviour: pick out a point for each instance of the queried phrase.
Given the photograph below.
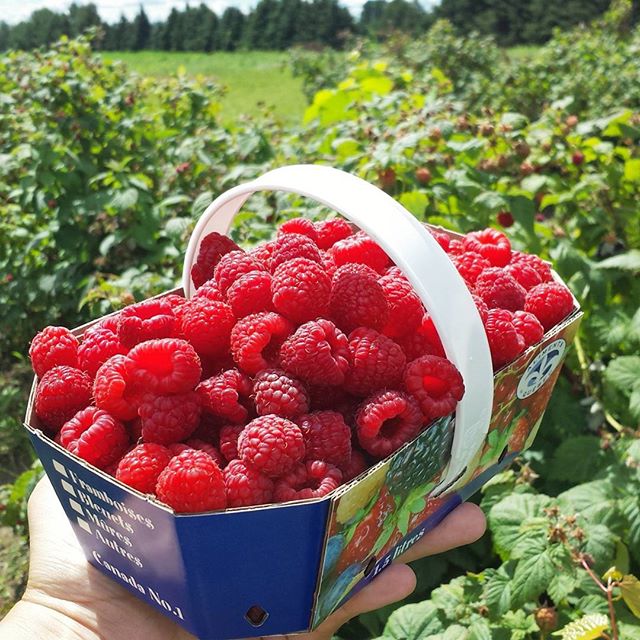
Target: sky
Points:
(12, 11)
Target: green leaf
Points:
(632, 170)
(594, 501)
(623, 372)
(413, 622)
(531, 578)
(576, 459)
(601, 544)
(630, 589)
(629, 261)
(497, 589)
(125, 199)
(589, 627)
(562, 585)
(415, 201)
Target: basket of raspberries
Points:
(281, 372)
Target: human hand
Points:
(68, 598)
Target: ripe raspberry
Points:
(96, 348)
(276, 392)
(208, 290)
(482, 308)
(208, 448)
(250, 293)
(505, 219)
(95, 436)
(536, 263)
(528, 326)
(164, 366)
(326, 437)
(313, 479)
(550, 302)
(168, 419)
(525, 275)
(360, 248)
(229, 435)
(175, 301)
(470, 265)
(331, 231)
(436, 384)
(357, 298)
(207, 325)
(505, 342)
(490, 244)
(53, 347)
(141, 467)
(262, 253)
(300, 290)
(176, 448)
(301, 226)
(293, 245)
(110, 323)
(272, 445)
(329, 264)
(232, 266)
(456, 247)
(376, 362)
(356, 465)
(317, 353)
(442, 238)
(146, 320)
(113, 390)
(500, 290)
(405, 307)
(212, 248)
(61, 393)
(256, 340)
(387, 420)
(424, 341)
(246, 486)
(192, 482)
(227, 395)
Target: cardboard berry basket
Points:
(284, 568)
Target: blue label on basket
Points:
(541, 368)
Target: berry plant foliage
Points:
(101, 184)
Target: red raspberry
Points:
(505, 342)
(256, 340)
(168, 419)
(376, 362)
(250, 293)
(300, 290)
(95, 436)
(192, 482)
(355, 466)
(113, 390)
(357, 298)
(210, 291)
(536, 263)
(207, 325)
(276, 392)
(212, 248)
(482, 308)
(470, 265)
(436, 384)
(146, 320)
(176, 448)
(272, 445)
(232, 266)
(525, 275)
(326, 437)
(500, 290)
(141, 467)
(61, 393)
(313, 479)
(293, 245)
(387, 420)
(229, 435)
(360, 248)
(208, 448)
(262, 253)
(174, 300)
(442, 238)
(550, 302)
(317, 353)
(110, 323)
(331, 231)
(424, 341)
(227, 395)
(329, 264)
(96, 348)
(490, 244)
(456, 247)
(405, 306)
(164, 366)
(301, 226)
(505, 219)
(53, 347)
(246, 486)
(208, 428)
(528, 326)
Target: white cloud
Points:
(110, 10)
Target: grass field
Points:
(252, 78)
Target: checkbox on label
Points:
(76, 506)
(67, 487)
(59, 468)
(84, 525)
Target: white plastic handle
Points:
(413, 249)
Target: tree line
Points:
(280, 24)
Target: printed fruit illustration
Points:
(360, 495)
